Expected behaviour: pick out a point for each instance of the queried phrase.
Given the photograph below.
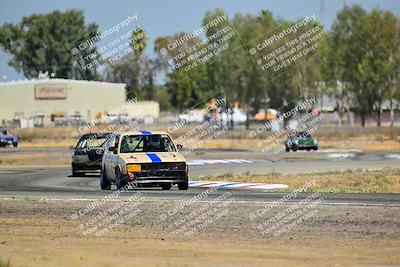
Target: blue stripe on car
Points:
(154, 158)
(145, 132)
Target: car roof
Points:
(100, 134)
(144, 133)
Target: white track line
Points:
(213, 201)
(236, 185)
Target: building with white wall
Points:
(30, 98)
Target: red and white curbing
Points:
(236, 185)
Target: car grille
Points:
(166, 166)
(163, 170)
(155, 166)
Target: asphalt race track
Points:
(57, 183)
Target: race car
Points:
(7, 138)
(302, 141)
(88, 153)
(147, 159)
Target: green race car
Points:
(302, 141)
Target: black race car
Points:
(88, 153)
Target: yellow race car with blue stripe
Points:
(144, 158)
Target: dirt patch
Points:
(36, 159)
(37, 233)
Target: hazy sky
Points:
(160, 18)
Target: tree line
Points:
(357, 61)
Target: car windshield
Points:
(146, 143)
(92, 141)
(304, 135)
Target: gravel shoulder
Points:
(42, 233)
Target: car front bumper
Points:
(7, 142)
(301, 147)
(160, 173)
(160, 177)
(81, 167)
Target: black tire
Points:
(121, 180)
(184, 185)
(316, 148)
(105, 184)
(287, 149)
(166, 186)
(294, 149)
(15, 144)
(75, 173)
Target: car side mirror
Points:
(112, 149)
(179, 146)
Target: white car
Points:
(146, 159)
(238, 116)
(191, 116)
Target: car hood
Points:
(152, 157)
